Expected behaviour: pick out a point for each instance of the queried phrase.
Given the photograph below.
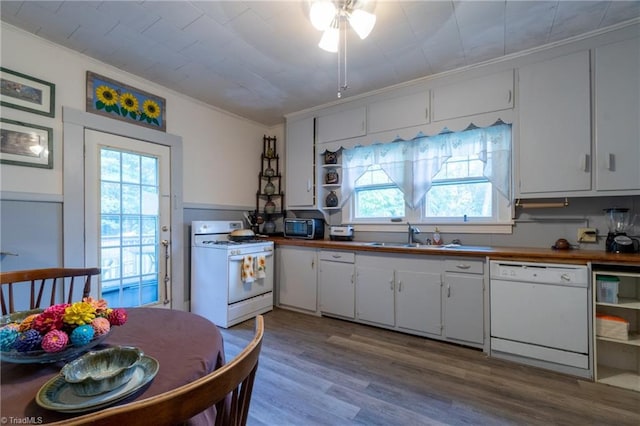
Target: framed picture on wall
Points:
(27, 93)
(123, 102)
(25, 144)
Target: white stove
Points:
(220, 291)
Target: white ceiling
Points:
(260, 60)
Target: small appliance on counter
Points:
(341, 233)
(620, 222)
(309, 229)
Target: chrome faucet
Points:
(412, 231)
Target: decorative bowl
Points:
(39, 356)
(98, 372)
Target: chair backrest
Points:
(44, 281)
(228, 388)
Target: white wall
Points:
(221, 150)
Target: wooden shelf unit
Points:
(269, 161)
(617, 361)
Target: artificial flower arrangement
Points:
(60, 326)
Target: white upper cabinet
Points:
(399, 112)
(475, 96)
(341, 125)
(554, 147)
(300, 164)
(617, 116)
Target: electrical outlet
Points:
(587, 235)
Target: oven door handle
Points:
(242, 256)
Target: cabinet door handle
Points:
(308, 185)
(426, 113)
(611, 161)
(399, 286)
(391, 284)
(509, 95)
(584, 162)
(336, 256)
(463, 266)
(353, 278)
(448, 290)
(313, 263)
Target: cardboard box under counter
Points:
(612, 326)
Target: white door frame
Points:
(74, 123)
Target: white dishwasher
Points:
(540, 315)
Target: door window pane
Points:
(131, 198)
(110, 165)
(130, 168)
(110, 197)
(129, 225)
(149, 171)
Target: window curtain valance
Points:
(412, 164)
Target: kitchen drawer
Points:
(469, 266)
(337, 256)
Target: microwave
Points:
(310, 229)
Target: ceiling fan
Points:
(331, 16)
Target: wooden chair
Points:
(228, 388)
(40, 279)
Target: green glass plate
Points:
(57, 395)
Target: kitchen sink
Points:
(381, 244)
(414, 245)
(468, 248)
(430, 246)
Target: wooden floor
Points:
(323, 371)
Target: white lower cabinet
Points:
(441, 298)
(297, 277)
(404, 294)
(375, 290)
(464, 300)
(418, 303)
(336, 283)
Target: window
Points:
(377, 196)
(459, 190)
(461, 178)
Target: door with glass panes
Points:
(127, 215)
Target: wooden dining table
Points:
(186, 346)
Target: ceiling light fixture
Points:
(331, 17)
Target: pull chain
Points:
(342, 54)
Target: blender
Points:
(620, 221)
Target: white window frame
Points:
(501, 223)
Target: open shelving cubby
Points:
(617, 361)
(331, 179)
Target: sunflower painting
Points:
(110, 98)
